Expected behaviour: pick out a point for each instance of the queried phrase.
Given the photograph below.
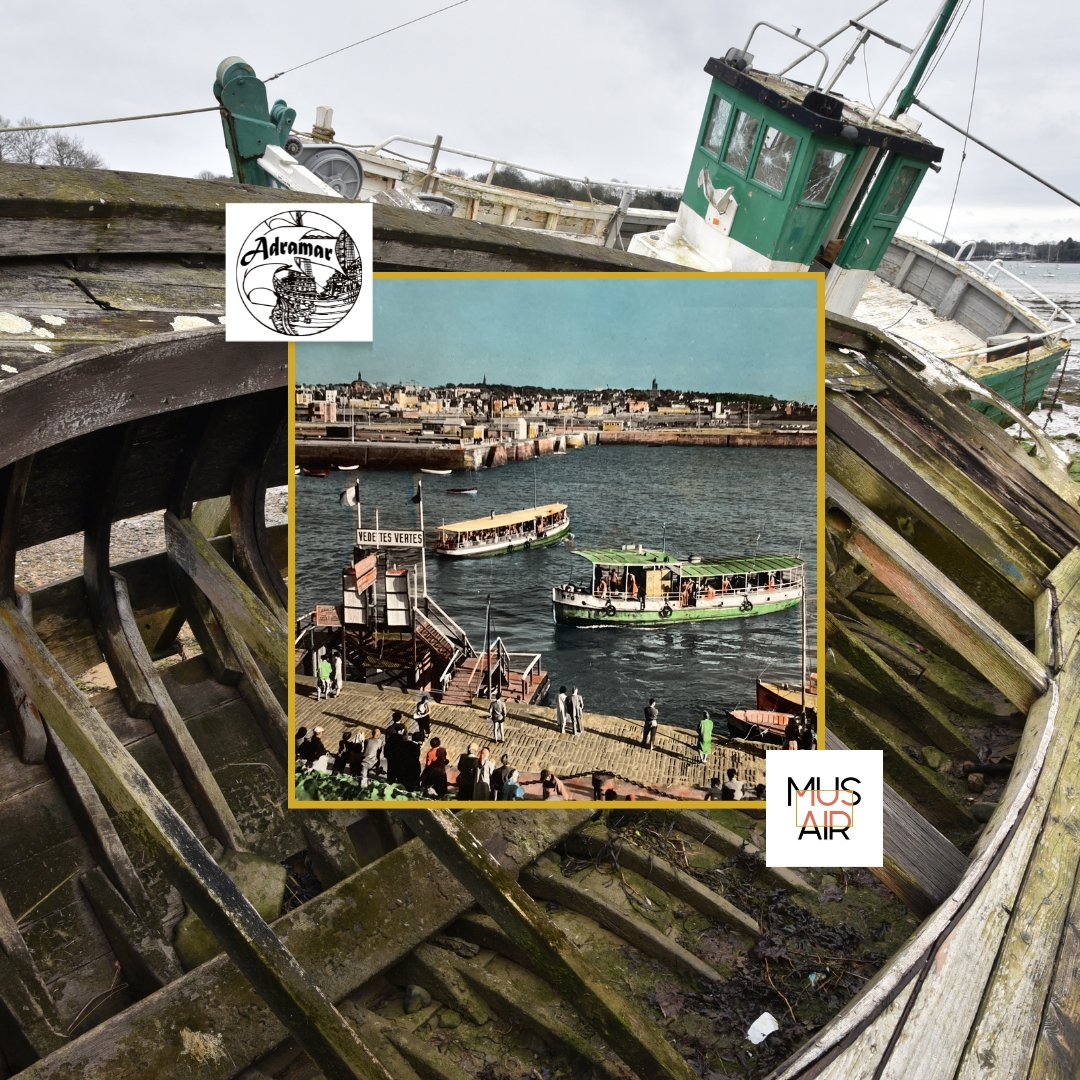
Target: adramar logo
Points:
(823, 808)
(298, 271)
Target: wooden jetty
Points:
(609, 744)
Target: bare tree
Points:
(209, 174)
(27, 146)
(69, 150)
(5, 139)
(45, 147)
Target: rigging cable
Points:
(382, 33)
(971, 108)
(113, 120)
(216, 108)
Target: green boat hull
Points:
(1024, 389)
(568, 615)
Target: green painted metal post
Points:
(249, 125)
(907, 95)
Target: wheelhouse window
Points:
(825, 170)
(743, 133)
(716, 125)
(899, 190)
(774, 158)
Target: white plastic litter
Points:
(764, 1025)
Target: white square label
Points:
(823, 808)
(298, 271)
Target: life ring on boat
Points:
(569, 589)
(609, 611)
(665, 611)
(747, 604)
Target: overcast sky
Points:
(598, 87)
(752, 335)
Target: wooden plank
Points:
(1004, 1036)
(64, 211)
(206, 888)
(948, 610)
(696, 823)
(525, 999)
(939, 488)
(630, 1033)
(927, 715)
(669, 878)
(862, 729)
(147, 962)
(921, 866)
(13, 483)
(131, 681)
(103, 386)
(175, 737)
(265, 707)
(99, 831)
(542, 884)
(231, 598)
(322, 935)
(22, 967)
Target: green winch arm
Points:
(249, 125)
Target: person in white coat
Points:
(577, 708)
(562, 713)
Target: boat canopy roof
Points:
(736, 564)
(494, 521)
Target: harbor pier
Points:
(609, 744)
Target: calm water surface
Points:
(698, 500)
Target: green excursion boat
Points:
(636, 586)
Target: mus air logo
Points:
(824, 813)
(298, 272)
(823, 808)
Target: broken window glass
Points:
(717, 124)
(774, 160)
(824, 172)
(742, 141)
(898, 193)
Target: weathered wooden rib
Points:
(938, 524)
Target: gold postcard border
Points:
(560, 804)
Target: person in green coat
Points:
(323, 676)
(704, 737)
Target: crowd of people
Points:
(397, 755)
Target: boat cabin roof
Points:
(737, 564)
(495, 521)
(824, 113)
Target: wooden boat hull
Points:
(577, 609)
(483, 551)
(761, 725)
(1020, 381)
(776, 698)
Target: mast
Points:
(487, 645)
(423, 543)
(802, 637)
(907, 95)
